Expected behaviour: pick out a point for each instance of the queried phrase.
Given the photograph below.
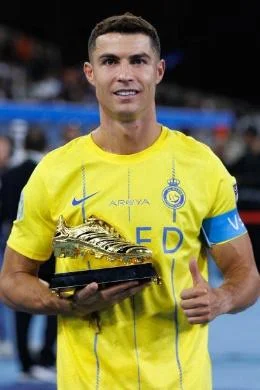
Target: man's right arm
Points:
(22, 290)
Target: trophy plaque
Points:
(115, 259)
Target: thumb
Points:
(195, 272)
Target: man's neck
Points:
(126, 138)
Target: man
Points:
(156, 187)
(13, 181)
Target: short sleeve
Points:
(33, 229)
(223, 222)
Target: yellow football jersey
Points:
(174, 197)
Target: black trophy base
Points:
(104, 276)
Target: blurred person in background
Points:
(73, 86)
(39, 366)
(156, 187)
(246, 169)
(70, 132)
(17, 130)
(6, 149)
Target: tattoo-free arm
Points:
(22, 290)
(241, 285)
(240, 289)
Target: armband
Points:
(223, 227)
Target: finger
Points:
(86, 292)
(120, 287)
(190, 293)
(44, 282)
(128, 293)
(195, 272)
(136, 289)
(197, 312)
(199, 320)
(196, 302)
(91, 289)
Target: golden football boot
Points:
(119, 259)
(98, 238)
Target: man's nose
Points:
(125, 72)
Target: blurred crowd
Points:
(32, 70)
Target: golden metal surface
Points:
(98, 238)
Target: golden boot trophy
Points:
(119, 259)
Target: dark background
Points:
(217, 43)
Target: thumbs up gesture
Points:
(199, 302)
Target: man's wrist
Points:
(65, 305)
(225, 298)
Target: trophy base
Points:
(104, 276)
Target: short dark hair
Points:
(125, 24)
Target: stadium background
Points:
(210, 90)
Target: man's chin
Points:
(127, 116)
(124, 114)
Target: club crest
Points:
(173, 195)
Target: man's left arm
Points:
(240, 288)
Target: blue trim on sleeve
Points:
(223, 227)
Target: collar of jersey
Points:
(126, 158)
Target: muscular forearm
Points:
(21, 289)
(24, 292)
(238, 291)
(241, 285)
(38, 299)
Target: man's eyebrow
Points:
(140, 55)
(133, 56)
(107, 55)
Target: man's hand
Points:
(201, 302)
(90, 299)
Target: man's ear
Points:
(160, 71)
(88, 70)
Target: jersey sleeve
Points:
(223, 222)
(33, 229)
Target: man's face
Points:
(125, 71)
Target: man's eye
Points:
(109, 61)
(138, 61)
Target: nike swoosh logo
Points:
(76, 202)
